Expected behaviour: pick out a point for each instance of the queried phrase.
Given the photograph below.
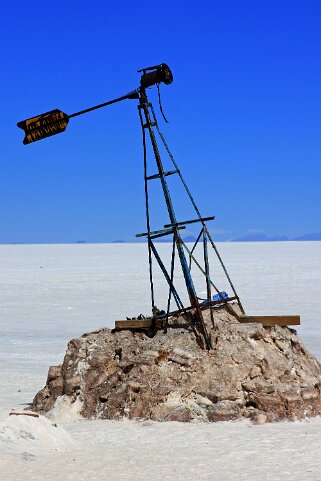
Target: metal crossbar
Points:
(203, 219)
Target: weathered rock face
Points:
(265, 374)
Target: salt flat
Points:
(52, 293)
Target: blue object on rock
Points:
(222, 295)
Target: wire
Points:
(160, 104)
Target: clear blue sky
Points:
(244, 112)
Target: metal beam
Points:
(170, 208)
(163, 268)
(160, 232)
(157, 176)
(203, 219)
(130, 95)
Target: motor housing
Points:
(156, 75)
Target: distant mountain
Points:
(260, 238)
(309, 237)
(189, 238)
(119, 241)
(164, 239)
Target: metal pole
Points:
(147, 215)
(207, 268)
(144, 105)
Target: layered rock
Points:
(265, 374)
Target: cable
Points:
(160, 104)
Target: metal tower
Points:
(56, 121)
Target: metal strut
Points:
(144, 106)
(147, 216)
(195, 207)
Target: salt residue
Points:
(35, 317)
(23, 433)
(64, 411)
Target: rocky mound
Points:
(265, 374)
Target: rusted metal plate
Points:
(272, 320)
(44, 125)
(134, 324)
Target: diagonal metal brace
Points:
(167, 277)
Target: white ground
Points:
(51, 293)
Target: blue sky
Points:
(244, 112)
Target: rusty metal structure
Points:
(56, 121)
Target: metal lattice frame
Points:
(148, 122)
(56, 121)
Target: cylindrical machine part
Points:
(162, 73)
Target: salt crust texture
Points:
(264, 374)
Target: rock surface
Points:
(264, 374)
